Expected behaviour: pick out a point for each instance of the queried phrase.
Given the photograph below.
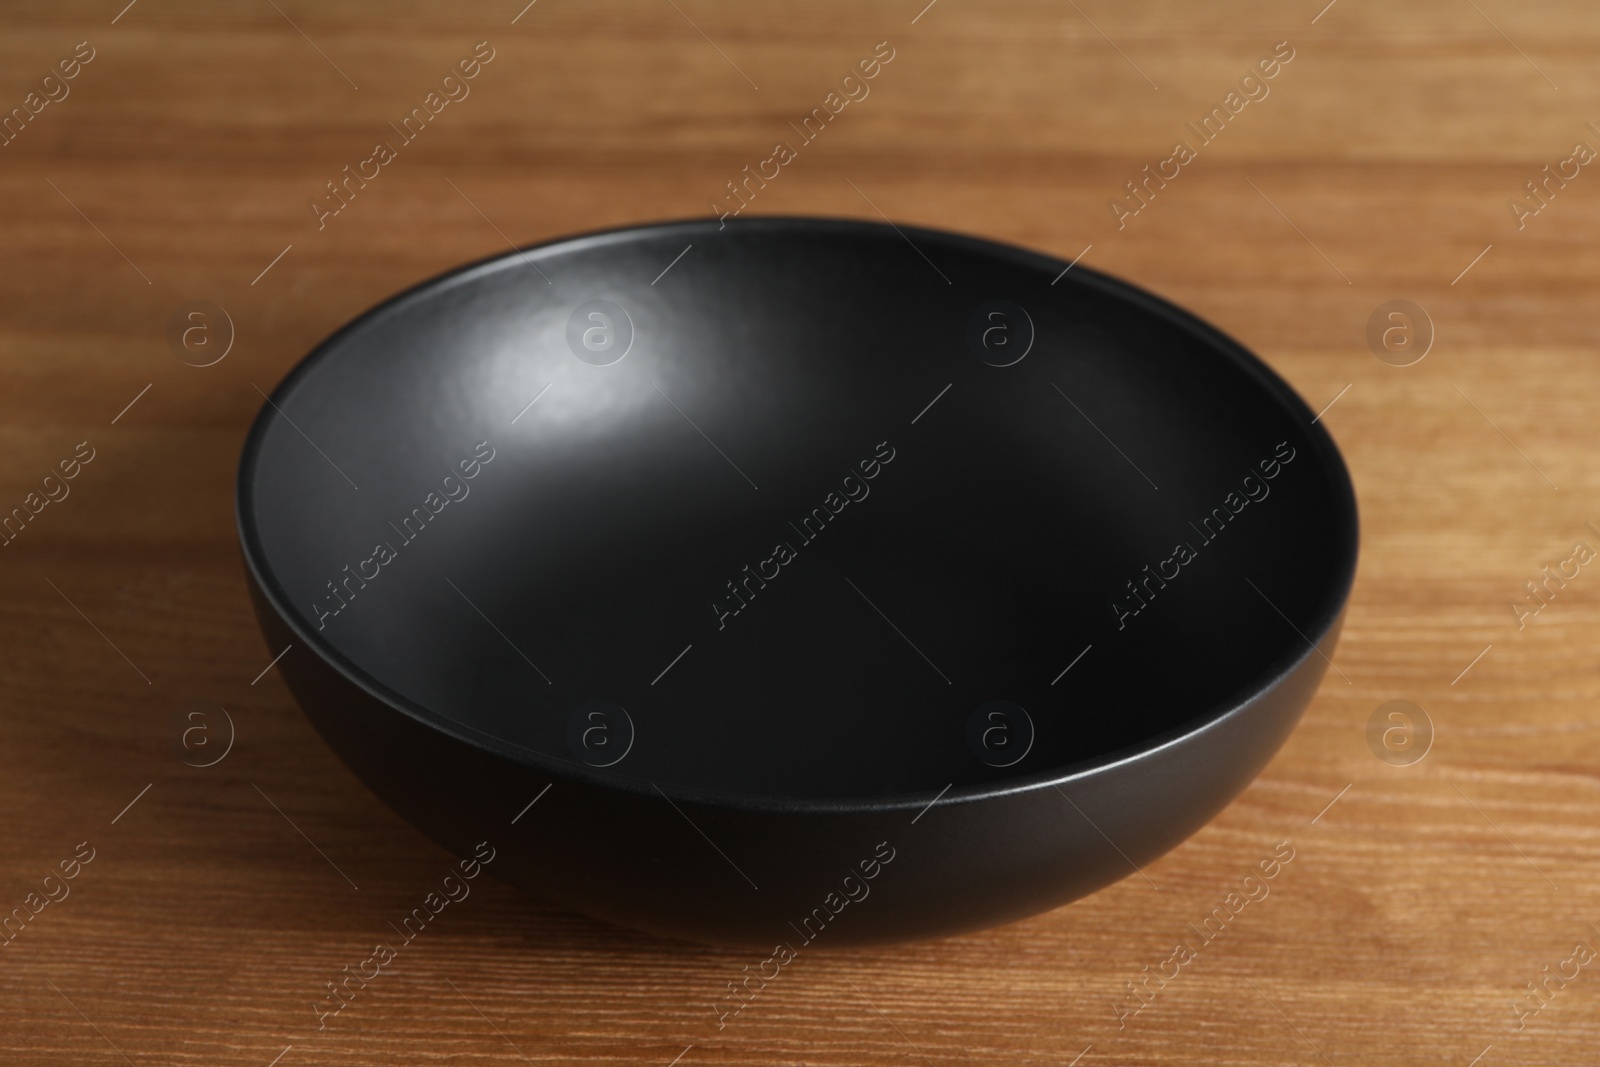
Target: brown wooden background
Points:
(1419, 905)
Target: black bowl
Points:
(797, 579)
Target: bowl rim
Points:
(1327, 618)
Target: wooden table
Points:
(180, 164)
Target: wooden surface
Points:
(1418, 905)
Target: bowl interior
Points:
(826, 510)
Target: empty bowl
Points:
(796, 581)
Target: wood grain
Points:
(1419, 904)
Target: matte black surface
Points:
(929, 465)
